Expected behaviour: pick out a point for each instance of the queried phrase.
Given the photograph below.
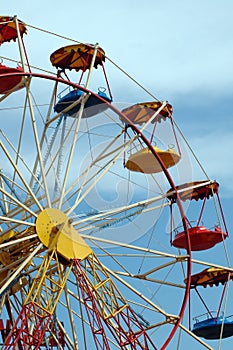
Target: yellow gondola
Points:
(144, 160)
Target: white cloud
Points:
(169, 46)
(214, 151)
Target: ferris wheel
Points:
(105, 231)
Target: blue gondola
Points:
(92, 107)
(212, 328)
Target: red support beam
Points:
(124, 325)
(29, 328)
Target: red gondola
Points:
(201, 237)
(10, 82)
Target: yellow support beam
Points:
(56, 232)
(49, 283)
(107, 295)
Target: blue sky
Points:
(180, 50)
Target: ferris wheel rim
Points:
(166, 172)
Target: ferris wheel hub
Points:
(55, 231)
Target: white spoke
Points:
(13, 220)
(20, 175)
(20, 268)
(19, 203)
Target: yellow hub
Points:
(55, 230)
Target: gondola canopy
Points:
(140, 113)
(8, 29)
(210, 277)
(78, 57)
(194, 190)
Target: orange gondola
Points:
(8, 29)
(142, 112)
(78, 57)
(210, 277)
(194, 190)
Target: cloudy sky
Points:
(179, 50)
